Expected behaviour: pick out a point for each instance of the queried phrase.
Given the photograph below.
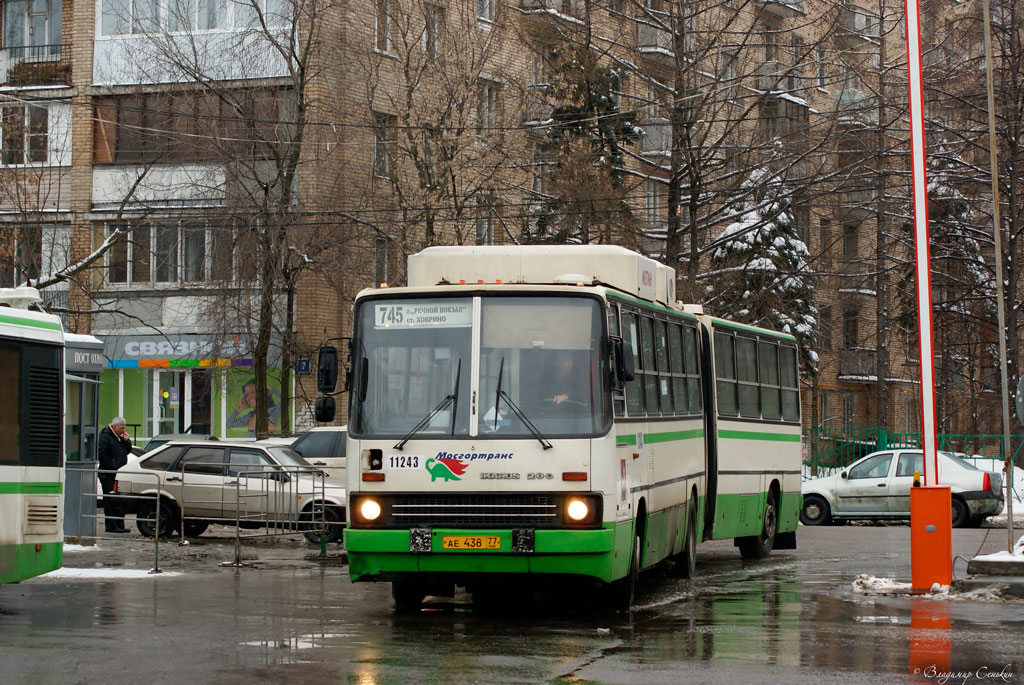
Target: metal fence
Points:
(262, 501)
(828, 449)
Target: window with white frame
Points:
(172, 253)
(120, 17)
(485, 9)
(821, 76)
(485, 222)
(383, 137)
(727, 72)
(433, 20)
(382, 25)
(486, 108)
(32, 29)
(653, 203)
(25, 134)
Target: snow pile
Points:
(1018, 553)
(104, 574)
(80, 548)
(865, 584)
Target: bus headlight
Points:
(369, 510)
(577, 509)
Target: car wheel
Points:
(145, 519)
(760, 546)
(408, 595)
(961, 515)
(976, 521)
(334, 525)
(194, 529)
(815, 511)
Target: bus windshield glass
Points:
(539, 363)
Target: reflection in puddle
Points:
(294, 643)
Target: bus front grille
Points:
(475, 511)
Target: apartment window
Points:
(652, 198)
(383, 137)
(119, 17)
(485, 222)
(770, 115)
(433, 18)
(850, 336)
(487, 107)
(824, 334)
(32, 24)
(380, 260)
(28, 256)
(727, 62)
(171, 253)
(825, 239)
(849, 410)
(801, 219)
(913, 416)
(849, 243)
(615, 90)
(653, 102)
(24, 134)
(771, 45)
(821, 75)
(485, 9)
(382, 25)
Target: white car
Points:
(224, 482)
(878, 487)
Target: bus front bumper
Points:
(391, 554)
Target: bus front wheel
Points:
(624, 589)
(686, 562)
(408, 596)
(760, 546)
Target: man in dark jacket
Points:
(113, 447)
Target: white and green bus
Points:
(551, 413)
(31, 437)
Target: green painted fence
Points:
(826, 449)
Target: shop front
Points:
(183, 384)
(83, 365)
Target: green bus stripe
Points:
(661, 437)
(50, 325)
(755, 435)
(30, 488)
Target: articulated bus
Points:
(525, 415)
(31, 437)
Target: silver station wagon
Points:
(878, 487)
(251, 484)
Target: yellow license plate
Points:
(470, 542)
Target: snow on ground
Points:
(865, 584)
(104, 573)
(80, 548)
(1017, 556)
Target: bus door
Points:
(707, 376)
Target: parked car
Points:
(878, 487)
(226, 482)
(164, 438)
(324, 446)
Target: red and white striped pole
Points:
(922, 254)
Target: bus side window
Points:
(618, 399)
(746, 367)
(768, 361)
(692, 369)
(675, 356)
(664, 379)
(790, 394)
(634, 388)
(725, 373)
(649, 373)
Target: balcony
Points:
(856, 204)
(655, 43)
(857, 27)
(35, 65)
(657, 137)
(781, 8)
(855, 105)
(548, 14)
(858, 364)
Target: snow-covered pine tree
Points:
(758, 268)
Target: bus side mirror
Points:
(324, 409)
(327, 369)
(624, 370)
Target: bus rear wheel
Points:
(760, 546)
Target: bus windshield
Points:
(540, 363)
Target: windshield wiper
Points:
(448, 400)
(501, 394)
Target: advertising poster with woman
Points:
(241, 402)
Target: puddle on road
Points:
(296, 643)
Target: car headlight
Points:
(577, 510)
(370, 510)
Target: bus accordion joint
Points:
(574, 475)
(373, 477)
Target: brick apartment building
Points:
(183, 131)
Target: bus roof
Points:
(18, 321)
(609, 265)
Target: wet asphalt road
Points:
(793, 618)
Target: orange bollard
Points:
(931, 537)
